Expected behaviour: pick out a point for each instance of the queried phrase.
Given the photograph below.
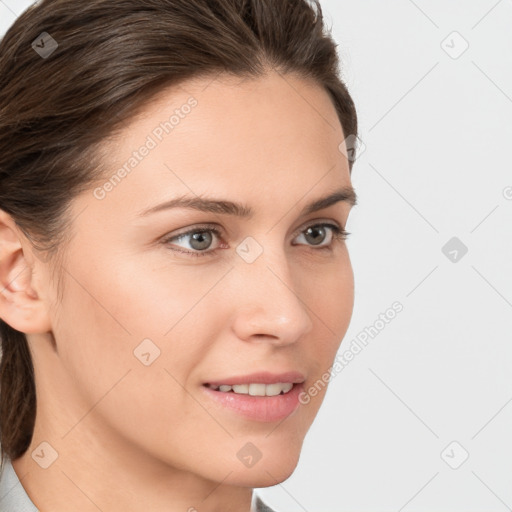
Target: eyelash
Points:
(339, 235)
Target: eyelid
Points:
(314, 222)
(216, 227)
(195, 227)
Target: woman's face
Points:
(148, 317)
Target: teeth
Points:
(275, 389)
(241, 388)
(256, 389)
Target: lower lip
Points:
(259, 408)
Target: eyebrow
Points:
(346, 194)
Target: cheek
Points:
(330, 299)
(328, 293)
(125, 373)
(133, 319)
(100, 331)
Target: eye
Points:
(316, 233)
(199, 239)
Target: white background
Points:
(437, 127)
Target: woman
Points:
(174, 190)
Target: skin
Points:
(132, 437)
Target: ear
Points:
(21, 305)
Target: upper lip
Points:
(260, 378)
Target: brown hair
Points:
(60, 100)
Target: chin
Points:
(264, 476)
(268, 471)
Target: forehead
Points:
(235, 111)
(273, 137)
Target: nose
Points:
(267, 305)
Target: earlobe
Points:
(20, 305)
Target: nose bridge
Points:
(267, 302)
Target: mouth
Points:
(254, 388)
(256, 401)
